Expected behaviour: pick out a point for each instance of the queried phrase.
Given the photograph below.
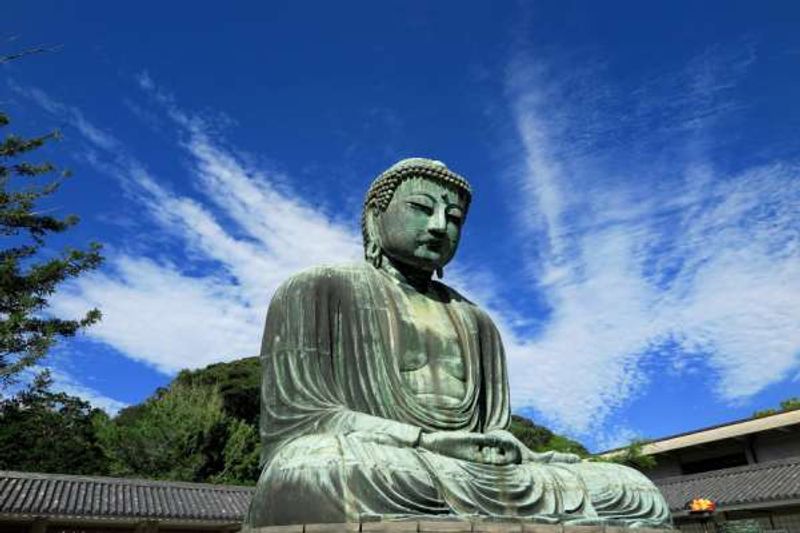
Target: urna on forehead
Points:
(383, 187)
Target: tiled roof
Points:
(770, 483)
(23, 493)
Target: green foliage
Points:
(27, 279)
(790, 404)
(241, 455)
(540, 439)
(179, 434)
(238, 382)
(185, 433)
(765, 412)
(44, 431)
(632, 455)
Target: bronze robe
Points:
(340, 429)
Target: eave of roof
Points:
(729, 430)
(123, 521)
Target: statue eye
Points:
(421, 206)
(455, 216)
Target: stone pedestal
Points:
(445, 526)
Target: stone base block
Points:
(445, 526)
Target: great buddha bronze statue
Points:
(385, 392)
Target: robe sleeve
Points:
(300, 394)
(494, 394)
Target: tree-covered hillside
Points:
(238, 384)
(201, 427)
(540, 439)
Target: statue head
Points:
(413, 214)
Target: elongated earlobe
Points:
(373, 252)
(440, 272)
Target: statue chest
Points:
(431, 359)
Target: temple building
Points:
(749, 469)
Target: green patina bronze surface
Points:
(385, 393)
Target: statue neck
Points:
(417, 278)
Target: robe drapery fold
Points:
(340, 429)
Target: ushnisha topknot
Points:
(383, 187)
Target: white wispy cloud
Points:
(73, 115)
(161, 306)
(739, 295)
(691, 255)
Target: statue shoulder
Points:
(325, 275)
(454, 295)
(479, 313)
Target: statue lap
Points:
(337, 479)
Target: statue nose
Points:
(437, 224)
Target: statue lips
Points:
(437, 247)
(433, 243)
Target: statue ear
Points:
(374, 250)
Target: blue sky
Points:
(634, 232)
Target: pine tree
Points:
(28, 278)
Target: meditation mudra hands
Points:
(498, 447)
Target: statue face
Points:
(422, 224)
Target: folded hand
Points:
(486, 448)
(529, 456)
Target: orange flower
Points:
(702, 505)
